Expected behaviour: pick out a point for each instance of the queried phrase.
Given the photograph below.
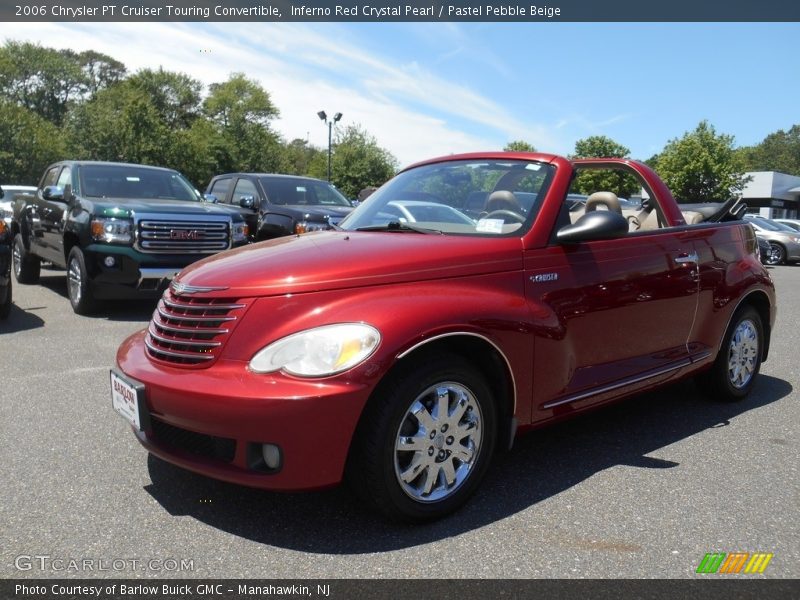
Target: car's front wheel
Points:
(426, 440)
(80, 294)
(777, 254)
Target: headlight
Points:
(112, 230)
(320, 351)
(306, 227)
(240, 231)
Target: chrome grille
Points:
(175, 236)
(191, 331)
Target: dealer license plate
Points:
(126, 398)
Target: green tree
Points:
(42, 80)
(100, 70)
(702, 166)
(29, 144)
(779, 151)
(357, 162)
(243, 111)
(176, 96)
(519, 146)
(297, 157)
(599, 146)
(120, 124)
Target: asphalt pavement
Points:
(643, 489)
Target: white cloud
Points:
(412, 111)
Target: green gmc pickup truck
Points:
(119, 230)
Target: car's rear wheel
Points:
(739, 360)
(26, 266)
(426, 442)
(777, 254)
(80, 294)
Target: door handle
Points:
(686, 258)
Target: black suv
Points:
(277, 205)
(6, 239)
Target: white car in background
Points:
(7, 199)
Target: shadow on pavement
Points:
(21, 320)
(542, 464)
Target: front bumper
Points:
(213, 421)
(132, 274)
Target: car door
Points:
(39, 215)
(613, 315)
(53, 214)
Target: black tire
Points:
(78, 289)
(5, 303)
(26, 266)
(451, 465)
(736, 368)
(777, 254)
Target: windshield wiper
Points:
(402, 226)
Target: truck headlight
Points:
(319, 352)
(239, 232)
(112, 230)
(306, 227)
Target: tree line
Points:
(57, 104)
(700, 166)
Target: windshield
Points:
(482, 197)
(771, 225)
(296, 191)
(130, 181)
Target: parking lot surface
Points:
(643, 489)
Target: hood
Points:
(329, 260)
(129, 206)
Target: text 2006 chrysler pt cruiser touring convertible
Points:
(469, 298)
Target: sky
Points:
(431, 89)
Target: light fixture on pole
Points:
(324, 117)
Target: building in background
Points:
(773, 195)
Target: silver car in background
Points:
(784, 242)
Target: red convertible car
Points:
(402, 353)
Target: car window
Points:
(220, 188)
(65, 178)
(50, 177)
(301, 191)
(131, 181)
(470, 197)
(244, 187)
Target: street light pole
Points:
(324, 117)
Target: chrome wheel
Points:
(16, 260)
(75, 281)
(776, 254)
(438, 442)
(743, 354)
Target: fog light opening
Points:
(272, 456)
(109, 261)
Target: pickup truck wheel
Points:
(777, 254)
(5, 305)
(739, 359)
(80, 296)
(26, 266)
(423, 449)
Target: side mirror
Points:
(247, 201)
(53, 192)
(595, 225)
(2, 193)
(210, 198)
